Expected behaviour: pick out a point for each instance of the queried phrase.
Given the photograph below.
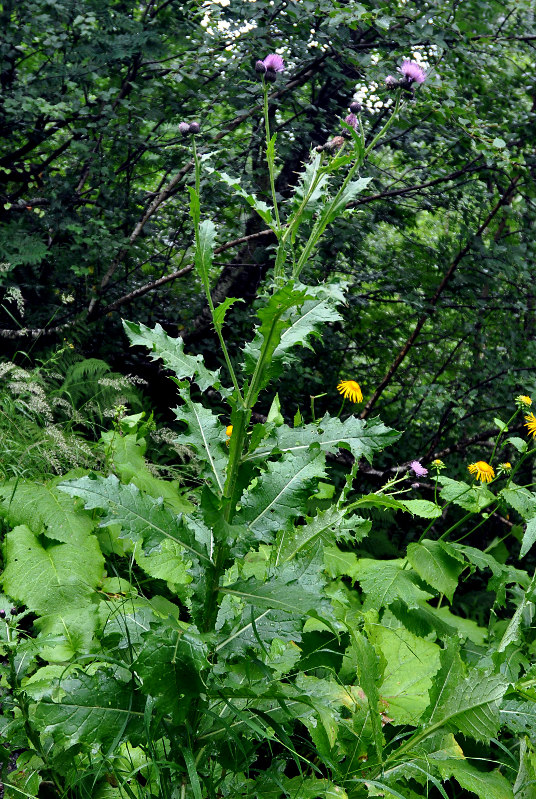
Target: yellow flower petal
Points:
(350, 390)
(484, 472)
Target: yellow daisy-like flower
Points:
(530, 424)
(484, 472)
(524, 400)
(438, 463)
(229, 430)
(506, 466)
(350, 390)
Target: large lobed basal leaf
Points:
(44, 509)
(89, 710)
(53, 578)
(143, 518)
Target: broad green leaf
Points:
(384, 581)
(361, 438)
(468, 497)
(126, 454)
(206, 435)
(278, 494)
(468, 702)
(68, 632)
(46, 510)
(437, 564)
(512, 632)
(410, 664)
(502, 574)
(53, 578)
(486, 784)
(93, 709)
(318, 309)
(204, 250)
(166, 563)
(171, 352)
(369, 678)
(142, 518)
(520, 499)
(423, 508)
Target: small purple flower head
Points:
(390, 81)
(352, 120)
(194, 127)
(184, 128)
(2, 614)
(355, 107)
(412, 72)
(260, 67)
(418, 468)
(274, 63)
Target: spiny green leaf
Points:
(278, 494)
(52, 578)
(259, 206)
(466, 702)
(369, 677)
(171, 352)
(423, 508)
(327, 526)
(206, 435)
(222, 308)
(362, 438)
(142, 518)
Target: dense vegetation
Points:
(219, 580)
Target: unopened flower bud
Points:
(270, 76)
(260, 67)
(355, 107)
(13, 611)
(184, 128)
(391, 82)
(194, 127)
(2, 614)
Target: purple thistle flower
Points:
(418, 468)
(412, 72)
(274, 63)
(352, 120)
(184, 128)
(391, 81)
(260, 67)
(194, 127)
(355, 107)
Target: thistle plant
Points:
(234, 640)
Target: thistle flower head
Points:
(391, 81)
(260, 67)
(412, 72)
(194, 127)
(483, 471)
(274, 63)
(184, 128)
(418, 468)
(355, 107)
(352, 120)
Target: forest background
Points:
(436, 255)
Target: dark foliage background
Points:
(439, 255)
